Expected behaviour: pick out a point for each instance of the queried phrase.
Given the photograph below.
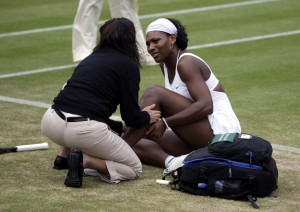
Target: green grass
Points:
(260, 77)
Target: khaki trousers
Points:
(95, 139)
(85, 26)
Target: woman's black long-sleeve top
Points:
(102, 81)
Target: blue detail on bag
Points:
(249, 154)
(202, 185)
(221, 161)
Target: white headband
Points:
(163, 25)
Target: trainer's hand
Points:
(154, 114)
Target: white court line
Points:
(37, 71)
(203, 9)
(286, 148)
(189, 48)
(36, 104)
(118, 118)
(24, 102)
(261, 37)
(156, 15)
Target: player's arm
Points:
(190, 73)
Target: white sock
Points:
(168, 160)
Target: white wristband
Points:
(164, 120)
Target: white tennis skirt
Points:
(223, 120)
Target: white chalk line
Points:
(155, 15)
(45, 105)
(189, 48)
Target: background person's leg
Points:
(85, 28)
(129, 9)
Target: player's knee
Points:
(152, 91)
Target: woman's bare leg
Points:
(151, 153)
(132, 136)
(196, 134)
(155, 152)
(180, 141)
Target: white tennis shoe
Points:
(174, 164)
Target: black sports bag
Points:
(207, 171)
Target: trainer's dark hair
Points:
(181, 38)
(119, 33)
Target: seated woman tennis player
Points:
(79, 117)
(193, 103)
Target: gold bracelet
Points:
(165, 122)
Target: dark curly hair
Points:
(119, 33)
(181, 38)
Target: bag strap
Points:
(252, 200)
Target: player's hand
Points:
(156, 130)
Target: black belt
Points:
(70, 119)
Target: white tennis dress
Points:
(223, 119)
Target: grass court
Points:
(251, 45)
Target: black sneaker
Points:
(60, 162)
(75, 174)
